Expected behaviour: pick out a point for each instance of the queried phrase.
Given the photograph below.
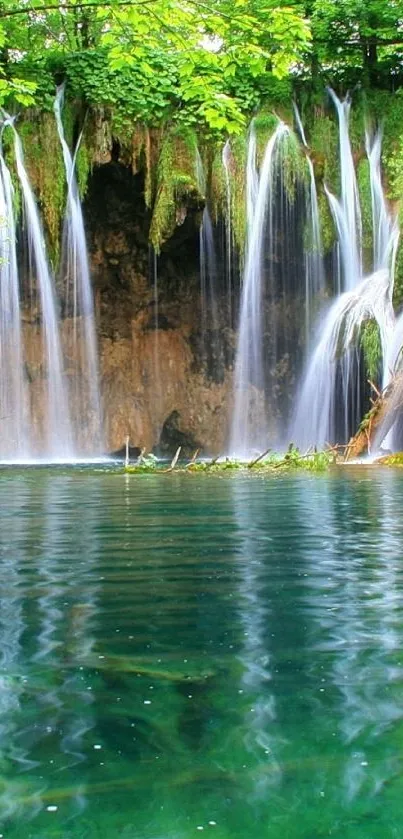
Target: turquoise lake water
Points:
(186, 655)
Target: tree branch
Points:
(55, 7)
(100, 4)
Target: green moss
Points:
(327, 228)
(238, 184)
(8, 150)
(69, 115)
(394, 169)
(364, 188)
(386, 109)
(46, 171)
(357, 121)
(271, 464)
(398, 287)
(370, 343)
(324, 145)
(218, 185)
(176, 184)
(265, 123)
(391, 460)
(294, 168)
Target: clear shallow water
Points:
(186, 652)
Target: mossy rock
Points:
(45, 167)
(391, 460)
(177, 185)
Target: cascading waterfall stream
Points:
(347, 211)
(15, 438)
(226, 159)
(330, 392)
(314, 268)
(249, 430)
(385, 244)
(252, 181)
(211, 345)
(385, 228)
(79, 298)
(57, 430)
(329, 406)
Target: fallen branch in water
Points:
(213, 462)
(261, 456)
(193, 460)
(173, 462)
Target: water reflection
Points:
(254, 612)
(48, 699)
(12, 626)
(200, 653)
(354, 598)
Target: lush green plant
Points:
(270, 464)
(370, 342)
(146, 463)
(391, 459)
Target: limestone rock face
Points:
(161, 384)
(166, 364)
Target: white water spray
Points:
(226, 160)
(249, 427)
(347, 212)
(57, 426)
(79, 298)
(330, 401)
(15, 438)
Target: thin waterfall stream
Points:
(13, 393)
(249, 428)
(57, 428)
(80, 305)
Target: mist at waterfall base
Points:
(54, 358)
(330, 395)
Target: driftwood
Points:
(213, 462)
(385, 408)
(257, 459)
(193, 460)
(174, 461)
(141, 455)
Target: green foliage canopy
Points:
(202, 63)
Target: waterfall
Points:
(330, 400)
(249, 426)
(226, 158)
(211, 343)
(385, 243)
(80, 304)
(385, 229)
(300, 126)
(14, 434)
(347, 212)
(330, 403)
(57, 431)
(252, 181)
(314, 269)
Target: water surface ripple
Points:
(182, 653)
